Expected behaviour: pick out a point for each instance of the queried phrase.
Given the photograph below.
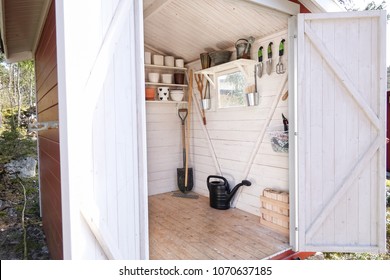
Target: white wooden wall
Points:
(233, 134)
(101, 143)
(165, 150)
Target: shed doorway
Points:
(234, 142)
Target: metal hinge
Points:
(39, 126)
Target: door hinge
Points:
(39, 126)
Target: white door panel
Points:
(340, 109)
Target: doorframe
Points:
(141, 128)
(293, 129)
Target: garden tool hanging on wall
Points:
(280, 67)
(269, 61)
(260, 62)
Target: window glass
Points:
(231, 90)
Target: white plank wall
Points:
(165, 150)
(233, 133)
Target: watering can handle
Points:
(239, 41)
(217, 177)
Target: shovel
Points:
(269, 61)
(260, 62)
(181, 172)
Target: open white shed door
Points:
(340, 109)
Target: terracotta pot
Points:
(149, 93)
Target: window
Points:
(231, 89)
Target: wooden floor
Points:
(182, 228)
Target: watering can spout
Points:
(235, 189)
(220, 193)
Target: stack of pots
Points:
(164, 92)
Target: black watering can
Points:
(220, 193)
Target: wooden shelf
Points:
(240, 64)
(165, 85)
(165, 67)
(166, 102)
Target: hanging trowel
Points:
(260, 62)
(269, 61)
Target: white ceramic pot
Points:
(163, 93)
(158, 59)
(179, 62)
(167, 78)
(148, 58)
(154, 77)
(169, 61)
(177, 94)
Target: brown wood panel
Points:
(50, 147)
(50, 164)
(49, 100)
(47, 65)
(46, 85)
(303, 9)
(47, 30)
(52, 226)
(46, 46)
(388, 132)
(50, 114)
(50, 195)
(51, 134)
(181, 228)
(49, 151)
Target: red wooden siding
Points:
(302, 9)
(388, 132)
(49, 149)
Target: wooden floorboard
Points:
(187, 229)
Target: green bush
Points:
(14, 142)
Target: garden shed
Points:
(108, 172)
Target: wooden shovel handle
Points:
(188, 127)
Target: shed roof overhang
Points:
(21, 22)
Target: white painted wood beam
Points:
(322, 6)
(155, 7)
(15, 57)
(261, 136)
(101, 234)
(283, 6)
(207, 135)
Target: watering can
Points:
(220, 193)
(243, 47)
